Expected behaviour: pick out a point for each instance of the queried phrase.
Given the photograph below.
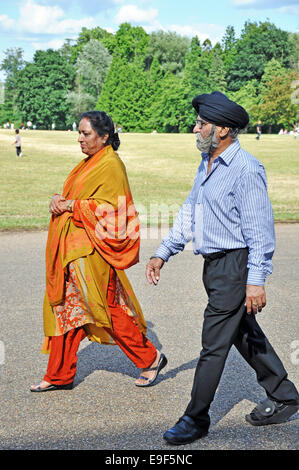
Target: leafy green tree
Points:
(169, 111)
(229, 47)
(248, 97)
(147, 81)
(258, 44)
(86, 35)
(192, 71)
(196, 78)
(294, 59)
(217, 75)
(207, 45)
(42, 89)
(125, 96)
(131, 43)
(67, 50)
(78, 102)
(197, 70)
(154, 83)
(126, 92)
(276, 106)
(108, 98)
(272, 69)
(155, 74)
(92, 66)
(229, 40)
(12, 63)
(170, 49)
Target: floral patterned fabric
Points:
(73, 312)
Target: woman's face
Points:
(89, 139)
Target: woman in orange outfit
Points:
(93, 237)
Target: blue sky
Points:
(40, 24)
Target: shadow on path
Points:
(238, 381)
(109, 358)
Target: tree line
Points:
(146, 81)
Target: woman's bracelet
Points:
(69, 206)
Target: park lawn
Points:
(161, 170)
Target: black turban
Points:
(217, 109)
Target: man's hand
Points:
(255, 298)
(153, 270)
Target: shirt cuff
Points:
(256, 278)
(163, 252)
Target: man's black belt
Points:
(219, 254)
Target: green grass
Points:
(161, 170)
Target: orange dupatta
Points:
(104, 219)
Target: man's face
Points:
(206, 136)
(202, 127)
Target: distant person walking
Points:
(17, 143)
(258, 130)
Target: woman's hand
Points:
(59, 204)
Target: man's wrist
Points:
(162, 252)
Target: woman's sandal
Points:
(161, 364)
(52, 387)
(270, 412)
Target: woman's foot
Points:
(47, 386)
(149, 375)
(42, 386)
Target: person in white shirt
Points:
(17, 143)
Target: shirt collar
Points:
(227, 155)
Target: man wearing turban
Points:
(228, 216)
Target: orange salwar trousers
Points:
(62, 363)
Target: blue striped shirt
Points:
(228, 208)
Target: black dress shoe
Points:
(184, 432)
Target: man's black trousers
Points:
(226, 322)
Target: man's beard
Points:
(209, 144)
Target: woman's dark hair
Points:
(103, 124)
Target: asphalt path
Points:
(105, 410)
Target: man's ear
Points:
(223, 132)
